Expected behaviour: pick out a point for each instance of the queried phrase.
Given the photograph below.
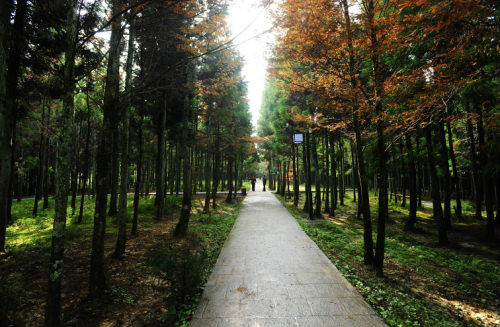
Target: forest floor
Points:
(139, 289)
(424, 285)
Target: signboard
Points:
(298, 138)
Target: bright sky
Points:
(251, 20)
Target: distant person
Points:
(253, 184)
(264, 180)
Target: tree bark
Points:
(456, 177)
(97, 283)
(412, 216)
(446, 178)
(5, 123)
(138, 180)
(216, 166)
(436, 196)
(308, 207)
(489, 188)
(160, 164)
(86, 164)
(317, 175)
(63, 161)
(182, 225)
(124, 154)
(476, 176)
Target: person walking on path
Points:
(264, 180)
(253, 184)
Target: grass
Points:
(132, 297)
(424, 285)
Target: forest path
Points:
(270, 273)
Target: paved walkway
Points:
(270, 273)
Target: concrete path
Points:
(270, 273)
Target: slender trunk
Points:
(456, 178)
(363, 181)
(63, 161)
(86, 163)
(216, 167)
(5, 123)
(436, 197)
(39, 178)
(420, 174)
(208, 170)
(115, 168)
(230, 167)
(46, 175)
(124, 135)
(160, 164)
(317, 209)
(446, 178)
(353, 172)
(326, 160)
(333, 173)
(412, 216)
(97, 283)
(182, 225)
(341, 172)
(381, 152)
(308, 205)
(497, 221)
(74, 185)
(489, 188)
(138, 180)
(476, 176)
(404, 179)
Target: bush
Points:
(181, 270)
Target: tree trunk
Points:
(208, 170)
(476, 176)
(317, 175)
(456, 178)
(326, 169)
(216, 167)
(97, 283)
(39, 175)
(124, 134)
(436, 196)
(160, 164)
(307, 160)
(341, 172)
(138, 180)
(86, 164)
(489, 188)
(333, 173)
(5, 123)
(412, 216)
(497, 221)
(446, 168)
(63, 161)
(182, 225)
(230, 167)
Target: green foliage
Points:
(180, 269)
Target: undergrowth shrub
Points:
(181, 272)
